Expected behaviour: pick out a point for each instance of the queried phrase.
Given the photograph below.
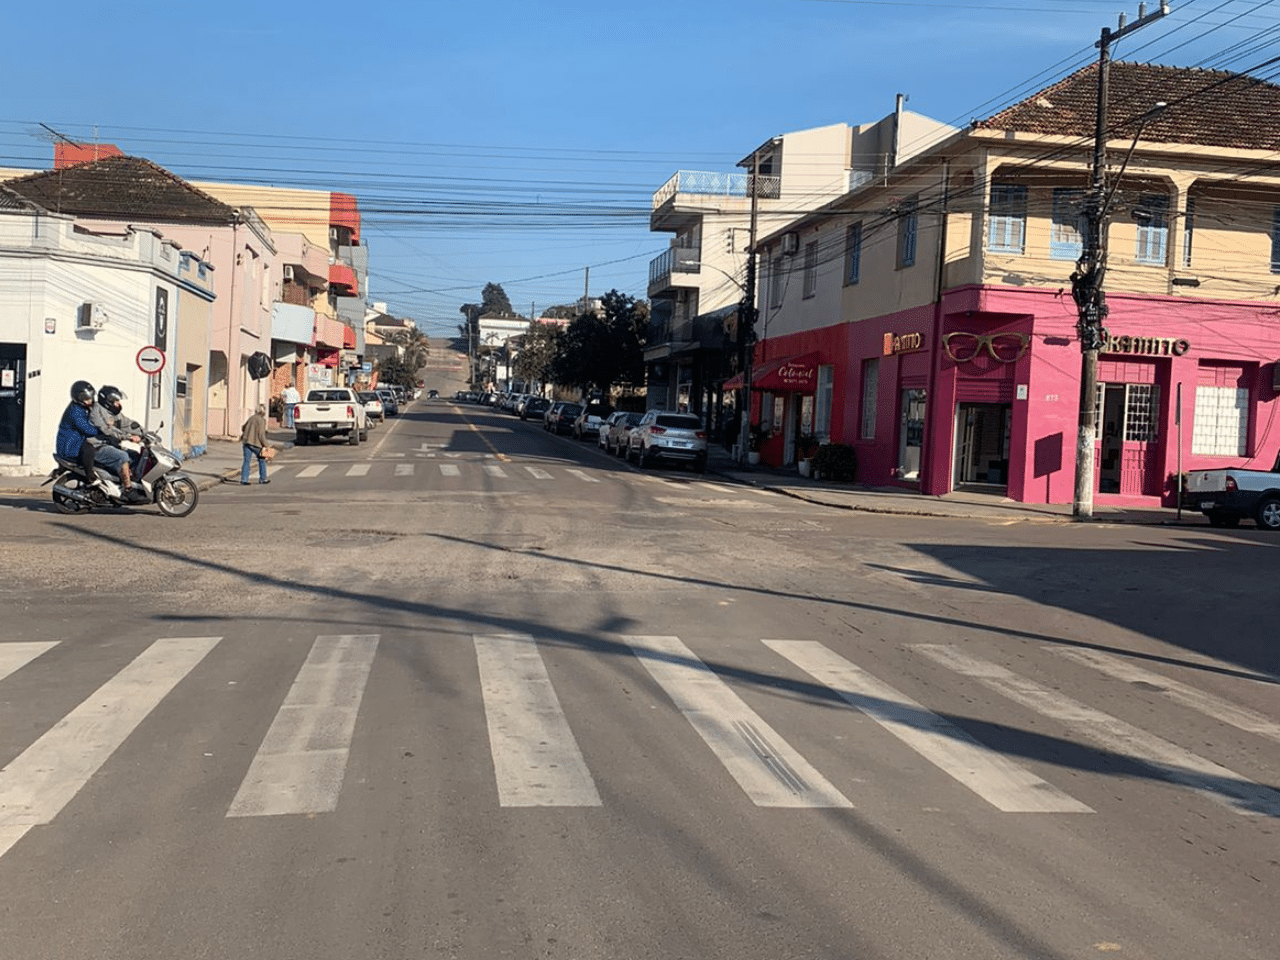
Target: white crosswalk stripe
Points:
(1211, 705)
(15, 656)
(359, 469)
(581, 475)
(404, 469)
(1168, 760)
(998, 780)
(769, 771)
(450, 470)
(312, 471)
(493, 470)
(538, 473)
(536, 759)
(301, 763)
(42, 780)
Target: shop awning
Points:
(794, 374)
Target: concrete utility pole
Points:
(1086, 282)
(748, 318)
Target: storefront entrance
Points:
(911, 434)
(13, 378)
(1128, 418)
(982, 444)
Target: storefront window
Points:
(1221, 427)
(822, 404)
(870, 390)
(912, 441)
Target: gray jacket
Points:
(115, 426)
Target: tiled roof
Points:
(122, 188)
(1207, 107)
(13, 201)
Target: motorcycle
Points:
(157, 475)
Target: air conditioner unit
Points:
(333, 234)
(790, 243)
(91, 316)
(288, 272)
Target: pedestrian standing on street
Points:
(290, 397)
(253, 437)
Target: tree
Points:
(414, 347)
(597, 353)
(395, 371)
(537, 353)
(494, 301)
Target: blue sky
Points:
(490, 140)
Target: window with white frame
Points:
(870, 391)
(810, 269)
(775, 282)
(853, 254)
(1152, 212)
(1275, 240)
(1221, 427)
(822, 403)
(1007, 219)
(908, 225)
(1066, 235)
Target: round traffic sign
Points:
(151, 360)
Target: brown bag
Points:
(268, 453)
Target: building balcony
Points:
(293, 323)
(344, 278)
(674, 260)
(686, 185)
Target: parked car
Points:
(673, 437)
(561, 416)
(1226, 496)
(589, 420)
(433, 394)
(372, 405)
(535, 408)
(390, 405)
(330, 412)
(618, 436)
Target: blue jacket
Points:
(75, 426)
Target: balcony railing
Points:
(708, 183)
(675, 260)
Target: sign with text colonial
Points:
(895, 344)
(796, 375)
(1145, 346)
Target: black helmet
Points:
(82, 391)
(111, 398)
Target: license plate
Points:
(1206, 504)
(324, 426)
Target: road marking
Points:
(1168, 760)
(581, 475)
(539, 473)
(770, 772)
(302, 760)
(15, 656)
(450, 470)
(536, 760)
(494, 470)
(404, 469)
(42, 780)
(999, 781)
(359, 470)
(1211, 705)
(312, 471)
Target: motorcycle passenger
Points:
(76, 428)
(116, 428)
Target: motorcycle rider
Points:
(116, 428)
(76, 427)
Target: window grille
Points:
(1007, 223)
(1066, 238)
(1221, 427)
(853, 254)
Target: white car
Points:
(372, 405)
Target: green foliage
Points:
(596, 353)
(414, 347)
(835, 461)
(494, 301)
(393, 370)
(533, 362)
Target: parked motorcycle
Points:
(159, 478)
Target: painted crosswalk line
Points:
(359, 470)
(769, 770)
(1001, 782)
(581, 475)
(493, 470)
(1165, 759)
(536, 760)
(1211, 705)
(450, 470)
(312, 471)
(301, 763)
(404, 469)
(42, 780)
(15, 656)
(538, 473)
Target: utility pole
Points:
(1086, 282)
(748, 309)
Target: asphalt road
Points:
(473, 691)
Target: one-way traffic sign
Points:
(151, 360)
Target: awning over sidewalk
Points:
(795, 374)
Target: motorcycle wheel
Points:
(66, 505)
(177, 498)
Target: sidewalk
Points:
(960, 504)
(221, 459)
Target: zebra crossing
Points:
(299, 766)
(457, 468)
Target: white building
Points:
(78, 304)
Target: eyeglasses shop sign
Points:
(902, 343)
(1144, 346)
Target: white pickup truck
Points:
(331, 412)
(1228, 496)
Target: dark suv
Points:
(561, 416)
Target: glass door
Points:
(13, 378)
(911, 438)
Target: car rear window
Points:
(327, 396)
(571, 409)
(678, 421)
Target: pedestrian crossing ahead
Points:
(301, 754)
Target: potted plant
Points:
(806, 447)
(755, 437)
(835, 461)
